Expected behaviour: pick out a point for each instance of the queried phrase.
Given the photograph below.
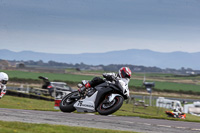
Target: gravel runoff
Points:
(97, 121)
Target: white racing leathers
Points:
(123, 81)
(2, 90)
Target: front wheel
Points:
(67, 103)
(106, 107)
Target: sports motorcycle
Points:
(105, 98)
(172, 114)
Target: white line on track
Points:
(143, 123)
(163, 126)
(195, 129)
(90, 114)
(181, 127)
(146, 124)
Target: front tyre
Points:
(67, 103)
(106, 107)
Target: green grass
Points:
(19, 127)
(51, 76)
(168, 85)
(177, 86)
(12, 102)
(167, 76)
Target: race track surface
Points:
(98, 121)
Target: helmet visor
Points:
(4, 82)
(125, 75)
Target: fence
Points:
(27, 95)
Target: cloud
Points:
(99, 25)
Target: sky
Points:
(97, 26)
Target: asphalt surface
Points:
(97, 121)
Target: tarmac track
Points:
(97, 121)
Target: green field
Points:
(19, 127)
(168, 85)
(12, 102)
(74, 78)
(51, 76)
(168, 76)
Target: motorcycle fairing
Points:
(87, 104)
(101, 94)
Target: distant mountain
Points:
(132, 56)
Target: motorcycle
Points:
(174, 115)
(105, 98)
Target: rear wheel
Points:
(106, 107)
(67, 103)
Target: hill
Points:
(132, 56)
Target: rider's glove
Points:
(82, 90)
(109, 77)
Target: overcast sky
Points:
(91, 26)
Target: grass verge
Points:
(19, 127)
(13, 102)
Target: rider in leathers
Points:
(3, 82)
(123, 76)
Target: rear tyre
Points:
(106, 108)
(67, 103)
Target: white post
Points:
(150, 99)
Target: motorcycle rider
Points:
(3, 82)
(177, 112)
(123, 76)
